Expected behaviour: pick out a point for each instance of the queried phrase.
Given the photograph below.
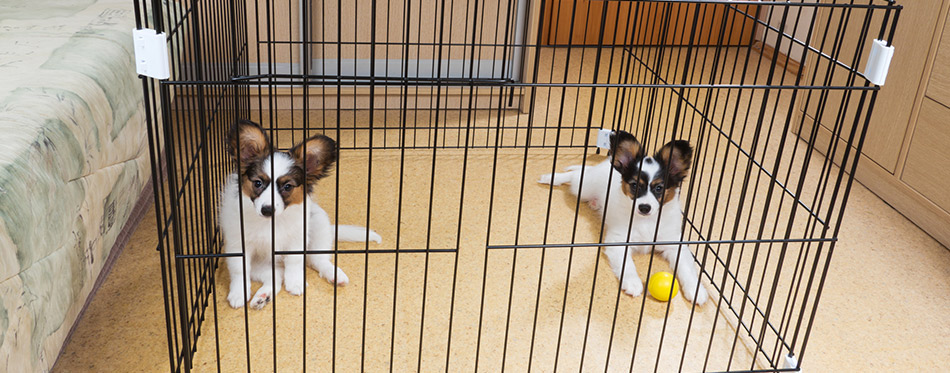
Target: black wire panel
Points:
(447, 111)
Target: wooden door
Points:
(579, 22)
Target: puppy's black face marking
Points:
(650, 180)
(265, 174)
(292, 186)
(254, 180)
(636, 182)
(646, 182)
(628, 160)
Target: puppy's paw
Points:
(375, 237)
(339, 279)
(260, 300)
(632, 286)
(295, 289)
(236, 299)
(294, 284)
(701, 296)
(545, 179)
(238, 296)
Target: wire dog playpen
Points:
(445, 113)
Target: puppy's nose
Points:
(269, 210)
(644, 208)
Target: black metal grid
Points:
(728, 100)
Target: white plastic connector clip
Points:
(603, 138)
(151, 53)
(790, 362)
(879, 61)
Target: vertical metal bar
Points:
(305, 19)
(743, 193)
(369, 173)
(676, 121)
(727, 22)
(157, 196)
(244, 258)
(775, 182)
(176, 233)
(590, 115)
(403, 114)
(618, 105)
(570, 259)
(271, 132)
(849, 180)
(336, 202)
(759, 123)
(211, 263)
(458, 232)
(202, 127)
(434, 142)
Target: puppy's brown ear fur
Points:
(677, 157)
(625, 149)
(252, 140)
(317, 155)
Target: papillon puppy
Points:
(639, 185)
(273, 189)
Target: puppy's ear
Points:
(676, 156)
(625, 149)
(317, 155)
(252, 140)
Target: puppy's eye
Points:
(287, 187)
(658, 188)
(634, 185)
(258, 183)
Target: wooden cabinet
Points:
(895, 103)
(939, 87)
(928, 160)
(906, 156)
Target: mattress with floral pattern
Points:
(73, 163)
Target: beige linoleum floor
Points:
(884, 304)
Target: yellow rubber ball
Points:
(660, 284)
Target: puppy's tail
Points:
(353, 233)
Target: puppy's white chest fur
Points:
(621, 212)
(288, 227)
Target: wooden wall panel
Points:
(284, 26)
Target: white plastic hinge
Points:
(603, 138)
(879, 61)
(790, 362)
(151, 53)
